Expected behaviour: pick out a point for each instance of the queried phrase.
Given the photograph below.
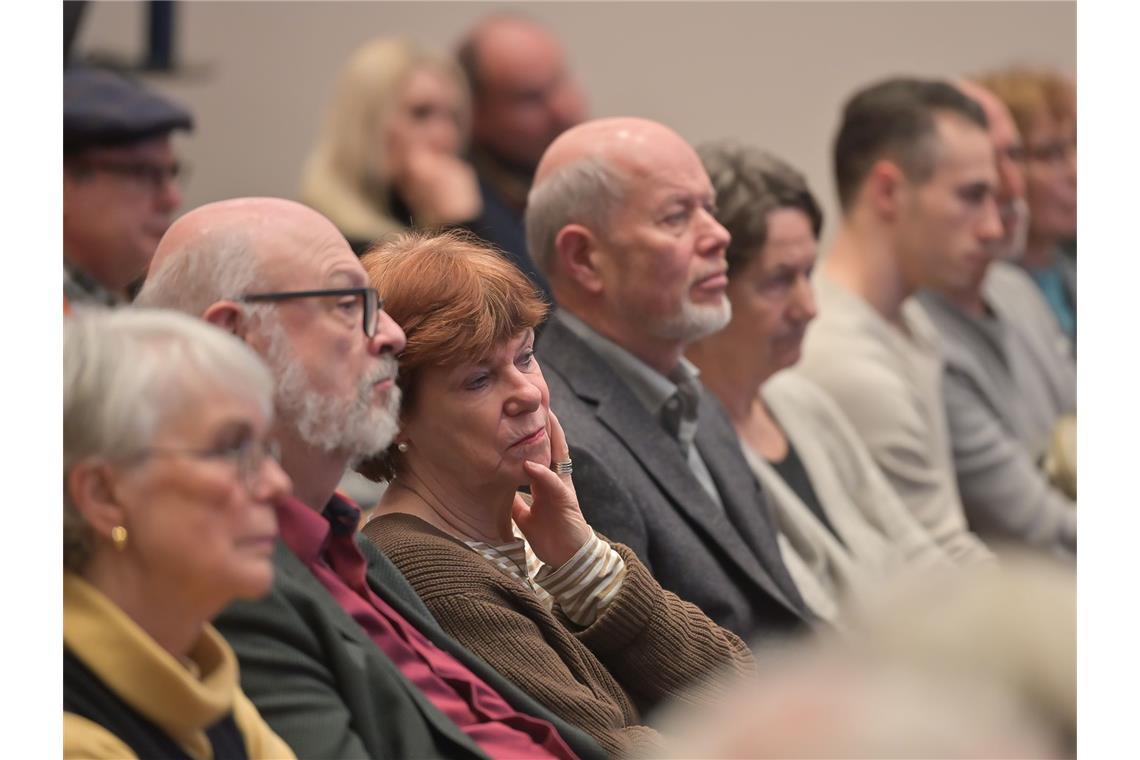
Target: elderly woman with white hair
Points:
(169, 488)
(388, 157)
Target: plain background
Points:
(775, 74)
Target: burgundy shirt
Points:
(324, 543)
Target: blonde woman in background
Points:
(388, 156)
(168, 516)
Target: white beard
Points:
(695, 321)
(352, 426)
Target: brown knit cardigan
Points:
(645, 646)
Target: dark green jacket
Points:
(325, 687)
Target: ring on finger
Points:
(563, 468)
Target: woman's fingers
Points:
(544, 482)
(559, 448)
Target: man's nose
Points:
(714, 236)
(389, 336)
(990, 227)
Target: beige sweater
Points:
(889, 385)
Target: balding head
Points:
(523, 95)
(628, 142)
(582, 178)
(1008, 156)
(333, 356)
(219, 250)
(620, 219)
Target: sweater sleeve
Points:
(659, 646)
(501, 633)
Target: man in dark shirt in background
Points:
(523, 97)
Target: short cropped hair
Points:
(211, 269)
(1030, 94)
(456, 300)
(585, 192)
(750, 184)
(894, 119)
(124, 372)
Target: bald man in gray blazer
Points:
(620, 221)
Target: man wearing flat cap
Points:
(120, 179)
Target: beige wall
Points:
(774, 74)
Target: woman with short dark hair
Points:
(836, 510)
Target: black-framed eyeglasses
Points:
(247, 457)
(366, 299)
(150, 175)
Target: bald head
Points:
(220, 250)
(620, 216)
(626, 143)
(273, 228)
(1003, 129)
(523, 94)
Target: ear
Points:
(227, 315)
(580, 254)
(90, 486)
(884, 188)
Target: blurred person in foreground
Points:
(388, 158)
(120, 182)
(1010, 383)
(980, 664)
(169, 487)
(341, 658)
(523, 96)
(1044, 106)
(916, 179)
(621, 221)
(576, 621)
(830, 497)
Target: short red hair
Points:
(456, 300)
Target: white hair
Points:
(124, 372)
(326, 422)
(210, 269)
(585, 192)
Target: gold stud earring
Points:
(119, 537)
(402, 447)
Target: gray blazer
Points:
(325, 687)
(727, 563)
(1005, 386)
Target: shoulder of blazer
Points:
(582, 370)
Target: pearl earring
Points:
(402, 447)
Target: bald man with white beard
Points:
(620, 221)
(342, 658)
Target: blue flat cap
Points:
(101, 107)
